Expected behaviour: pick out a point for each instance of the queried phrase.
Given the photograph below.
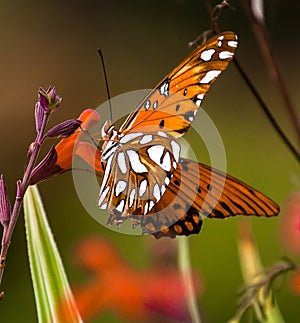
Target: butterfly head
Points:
(108, 130)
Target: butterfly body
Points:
(145, 179)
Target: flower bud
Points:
(64, 129)
(49, 100)
(39, 113)
(46, 168)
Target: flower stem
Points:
(184, 262)
(21, 190)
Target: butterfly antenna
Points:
(106, 82)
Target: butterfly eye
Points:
(107, 129)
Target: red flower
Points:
(134, 295)
(59, 158)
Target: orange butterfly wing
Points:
(196, 188)
(169, 106)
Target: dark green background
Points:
(55, 42)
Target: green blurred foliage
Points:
(55, 43)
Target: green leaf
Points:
(184, 263)
(53, 295)
(258, 293)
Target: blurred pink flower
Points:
(290, 224)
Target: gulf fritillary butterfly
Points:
(145, 179)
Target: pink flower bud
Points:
(49, 100)
(64, 129)
(39, 113)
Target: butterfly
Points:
(146, 181)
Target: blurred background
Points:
(54, 43)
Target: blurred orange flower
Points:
(295, 282)
(156, 294)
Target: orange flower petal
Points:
(62, 153)
(66, 146)
(130, 293)
(90, 154)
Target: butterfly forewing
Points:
(137, 174)
(190, 81)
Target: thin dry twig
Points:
(215, 15)
(269, 54)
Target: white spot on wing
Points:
(155, 153)
(207, 54)
(163, 189)
(131, 197)
(151, 204)
(135, 162)
(146, 139)
(106, 174)
(198, 103)
(163, 90)
(167, 181)
(120, 187)
(232, 43)
(130, 136)
(162, 134)
(143, 187)
(103, 196)
(146, 208)
(209, 76)
(120, 206)
(147, 105)
(121, 162)
(166, 164)
(176, 150)
(156, 192)
(225, 54)
(221, 37)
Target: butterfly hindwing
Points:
(196, 188)
(169, 106)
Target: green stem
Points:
(184, 263)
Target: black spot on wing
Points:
(162, 124)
